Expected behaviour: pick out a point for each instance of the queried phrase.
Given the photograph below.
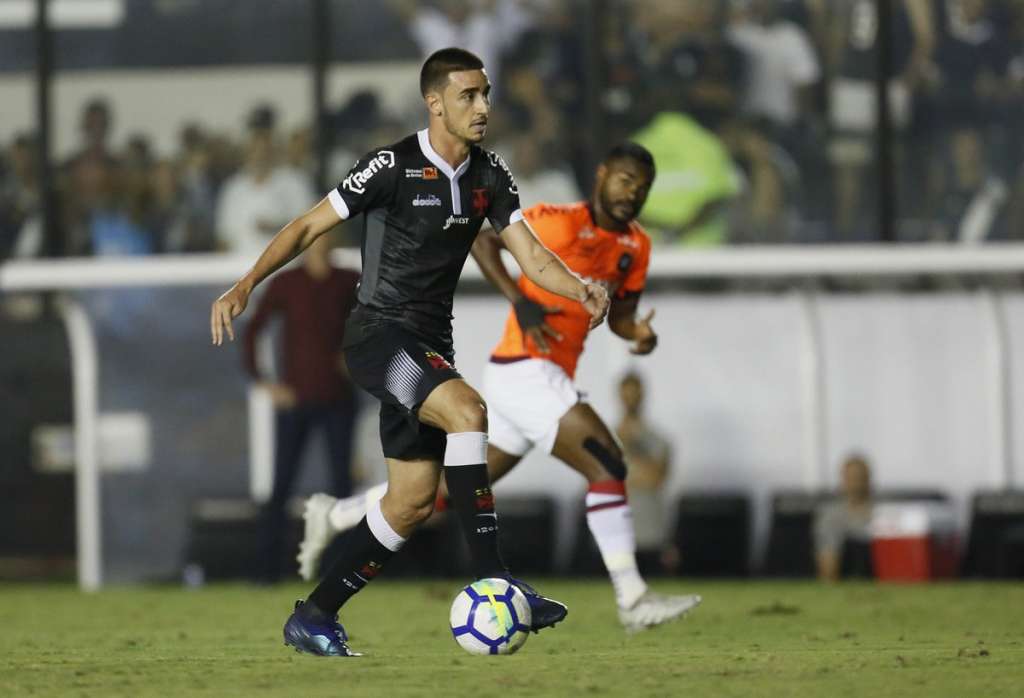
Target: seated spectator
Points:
(263, 196)
(648, 455)
(842, 528)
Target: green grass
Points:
(748, 639)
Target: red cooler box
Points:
(913, 541)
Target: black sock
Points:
(362, 560)
(469, 491)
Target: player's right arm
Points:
(289, 242)
(370, 184)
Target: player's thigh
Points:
(585, 444)
(454, 406)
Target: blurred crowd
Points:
(761, 115)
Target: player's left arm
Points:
(623, 321)
(544, 268)
(622, 317)
(537, 262)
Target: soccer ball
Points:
(490, 616)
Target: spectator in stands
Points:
(842, 527)
(972, 201)
(782, 70)
(488, 28)
(258, 200)
(649, 456)
(540, 174)
(682, 49)
(197, 185)
(763, 210)
(95, 124)
(21, 232)
(314, 391)
(852, 98)
(696, 180)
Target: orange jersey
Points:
(618, 261)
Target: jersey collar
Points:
(453, 175)
(430, 154)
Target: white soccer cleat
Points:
(654, 609)
(317, 535)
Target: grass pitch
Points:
(747, 639)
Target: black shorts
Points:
(401, 369)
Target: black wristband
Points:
(528, 313)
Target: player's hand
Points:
(596, 303)
(228, 306)
(281, 395)
(532, 321)
(644, 337)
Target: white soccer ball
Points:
(490, 616)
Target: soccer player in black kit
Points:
(424, 200)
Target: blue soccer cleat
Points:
(312, 634)
(544, 611)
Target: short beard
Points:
(608, 206)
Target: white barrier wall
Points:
(908, 380)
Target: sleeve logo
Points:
(357, 179)
(498, 161)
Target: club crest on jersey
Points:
(356, 181)
(586, 233)
(437, 361)
(625, 262)
(481, 201)
(429, 173)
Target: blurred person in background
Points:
(95, 124)
(852, 95)
(649, 456)
(764, 207)
(487, 28)
(540, 174)
(21, 230)
(971, 204)
(257, 201)
(314, 391)
(842, 527)
(197, 185)
(782, 72)
(697, 180)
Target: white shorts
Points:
(525, 401)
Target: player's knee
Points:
(610, 456)
(469, 414)
(414, 512)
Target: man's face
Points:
(856, 479)
(465, 104)
(631, 392)
(623, 186)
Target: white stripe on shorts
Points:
(402, 378)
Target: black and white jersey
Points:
(421, 217)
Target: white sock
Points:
(611, 522)
(381, 529)
(357, 505)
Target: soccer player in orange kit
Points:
(528, 384)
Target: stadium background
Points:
(764, 380)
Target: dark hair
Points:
(434, 74)
(632, 151)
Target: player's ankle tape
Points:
(466, 448)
